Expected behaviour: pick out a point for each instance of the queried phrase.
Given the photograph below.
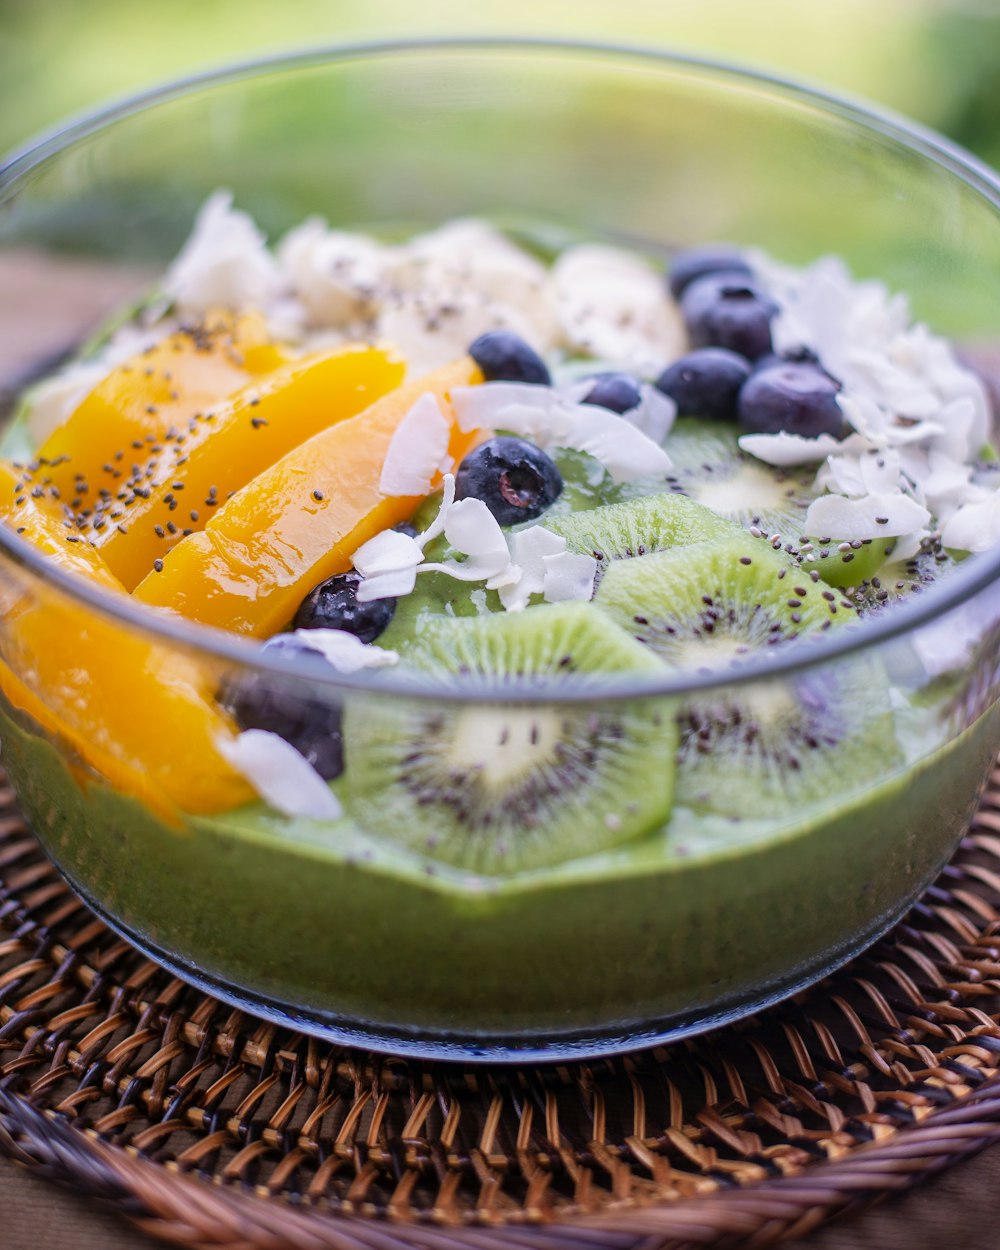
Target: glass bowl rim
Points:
(961, 587)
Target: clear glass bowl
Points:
(336, 929)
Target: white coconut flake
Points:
(346, 652)
(388, 565)
(655, 413)
(283, 778)
(974, 526)
(224, 262)
(569, 575)
(786, 450)
(481, 407)
(529, 549)
(417, 448)
(473, 530)
(873, 516)
(623, 449)
(338, 277)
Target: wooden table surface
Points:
(958, 1210)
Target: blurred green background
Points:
(936, 60)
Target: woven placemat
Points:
(210, 1128)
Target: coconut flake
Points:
(974, 526)
(488, 406)
(625, 451)
(225, 262)
(388, 565)
(655, 413)
(418, 447)
(473, 530)
(282, 777)
(872, 516)
(569, 575)
(786, 450)
(345, 652)
(529, 549)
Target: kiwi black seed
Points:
(637, 527)
(703, 607)
(499, 788)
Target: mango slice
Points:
(138, 712)
(299, 522)
(178, 488)
(148, 397)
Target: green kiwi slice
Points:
(504, 788)
(709, 468)
(703, 607)
(901, 579)
(620, 531)
(767, 748)
(770, 502)
(780, 747)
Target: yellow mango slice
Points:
(149, 396)
(299, 522)
(138, 712)
(178, 488)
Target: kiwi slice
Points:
(901, 578)
(811, 738)
(708, 605)
(769, 502)
(770, 747)
(709, 467)
(503, 788)
(619, 531)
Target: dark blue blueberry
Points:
(516, 480)
(287, 706)
(404, 527)
(618, 392)
(797, 397)
(729, 310)
(333, 604)
(698, 262)
(705, 383)
(503, 357)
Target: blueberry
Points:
(697, 262)
(284, 706)
(705, 383)
(618, 392)
(516, 480)
(503, 357)
(333, 604)
(797, 355)
(797, 397)
(729, 310)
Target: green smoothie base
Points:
(676, 928)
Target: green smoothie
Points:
(675, 929)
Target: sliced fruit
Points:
(705, 606)
(619, 531)
(901, 579)
(149, 396)
(137, 712)
(497, 788)
(772, 746)
(175, 491)
(299, 522)
(785, 744)
(710, 468)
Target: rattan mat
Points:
(210, 1128)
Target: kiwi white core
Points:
(502, 749)
(750, 489)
